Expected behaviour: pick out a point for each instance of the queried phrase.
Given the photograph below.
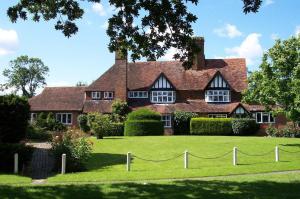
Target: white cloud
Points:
(169, 55)
(274, 36)
(250, 49)
(99, 9)
(297, 30)
(269, 2)
(105, 25)
(228, 30)
(8, 41)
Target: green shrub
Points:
(7, 151)
(36, 133)
(120, 110)
(272, 131)
(182, 122)
(48, 122)
(14, 116)
(83, 123)
(144, 114)
(77, 150)
(115, 129)
(287, 131)
(211, 126)
(143, 127)
(244, 126)
(100, 124)
(41, 120)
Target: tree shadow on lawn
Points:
(178, 189)
(102, 160)
(292, 145)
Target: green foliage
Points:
(26, 75)
(48, 122)
(115, 129)
(277, 82)
(244, 126)
(36, 133)
(143, 122)
(288, 131)
(144, 114)
(211, 126)
(182, 122)
(127, 27)
(7, 151)
(143, 127)
(119, 111)
(83, 123)
(100, 124)
(14, 116)
(77, 150)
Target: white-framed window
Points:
(108, 95)
(167, 120)
(64, 118)
(217, 96)
(96, 95)
(264, 117)
(240, 112)
(162, 97)
(138, 94)
(217, 115)
(33, 117)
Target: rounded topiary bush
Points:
(143, 122)
(244, 126)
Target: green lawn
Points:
(109, 157)
(270, 186)
(13, 179)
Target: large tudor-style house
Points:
(211, 88)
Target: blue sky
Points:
(84, 57)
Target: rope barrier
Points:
(289, 151)
(264, 154)
(164, 160)
(210, 158)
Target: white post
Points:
(186, 159)
(16, 163)
(235, 156)
(276, 154)
(63, 163)
(128, 161)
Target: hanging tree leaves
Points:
(146, 28)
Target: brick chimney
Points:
(199, 57)
(121, 85)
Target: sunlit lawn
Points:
(108, 162)
(13, 179)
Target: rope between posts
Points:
(263, 154)
(164, 160)
(289, 151)
(210, 158)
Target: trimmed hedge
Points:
(14, 116)
(182, 122)
(144, 114)
(211, 126)
(244, 126)
(143, 127)
(115, 129)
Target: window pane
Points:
(265, 117)
(258, 117)
(69, 118)
(271, 118)
(64, 118)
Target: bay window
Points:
(264, 117)
(217, 96)
(64, 118)
(163, 96)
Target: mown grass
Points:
(270, 186)
(108, 162)
(13, 179)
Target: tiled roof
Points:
(103, 106)
(142, 74)
(58, 99)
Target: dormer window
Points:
(108, 95)
(217, 96)
(162, 91)
(96, 95)
(240, 112)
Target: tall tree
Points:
(277, 82)
(26, 75)
(146, 28)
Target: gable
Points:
(218, 82)
(162, 82)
